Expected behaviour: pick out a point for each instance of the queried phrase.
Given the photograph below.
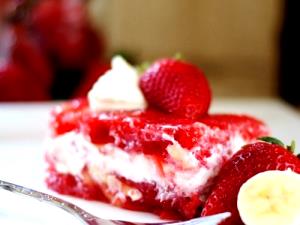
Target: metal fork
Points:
(89, 219)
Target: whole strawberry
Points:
(249, 161)
(176, 87)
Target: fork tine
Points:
(208, 220)
(89, 219)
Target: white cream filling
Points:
(68, 152)
(136, 167)
(237, 142)
(71, 152)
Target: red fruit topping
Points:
(66, 117)
(249, 161)
(98, 130)
(151, 131)
(176, 87)
(247, 126)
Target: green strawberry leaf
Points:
(276, 141)
(178, 56)
(292, 146)
(141, 68)
(272, 140)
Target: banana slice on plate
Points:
(270, 198)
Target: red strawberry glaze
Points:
(144, 128)
(66, 117)
(163, 139)
(183, 205)
(68, 184)
(247, 126)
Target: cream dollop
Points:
(117, 89)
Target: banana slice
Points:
(270, 198)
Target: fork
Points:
(89, 219)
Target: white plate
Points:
(22, 131)
(23, 128)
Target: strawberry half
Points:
(249, 161)
(176, 87)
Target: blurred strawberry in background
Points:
(25, 73)
(28, 54)
(50, 47)
(16, 84)
(64, 31)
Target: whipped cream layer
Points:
(183, 175)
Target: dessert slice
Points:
(142, 159)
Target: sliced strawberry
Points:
(249, 161)
(176, 87)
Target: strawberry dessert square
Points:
(145, 142)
